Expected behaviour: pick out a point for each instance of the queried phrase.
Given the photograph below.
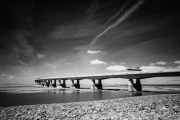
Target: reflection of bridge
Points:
(97, 79)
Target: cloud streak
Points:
(122, 18)
(88, 16)
(24, 47)
(54, 66)
(125, 5)
(9, 76)
(152, 64)
(22, 63)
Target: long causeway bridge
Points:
(97, 79)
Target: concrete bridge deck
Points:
(131, 86)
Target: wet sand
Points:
(158, 107)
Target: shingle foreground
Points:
(155, 107)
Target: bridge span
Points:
(97, 79)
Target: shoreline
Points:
(37, 89)
(165, 106)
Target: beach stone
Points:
(166, 107)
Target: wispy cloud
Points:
(177, 62)
(67, 73)
(27, 70)
(87, 18)
(67, 63)
(9, 76)
(75, 30)
(161, 63)
(152, 64)
(94, 51)
(22, 63)
(119, 20)
(152, 68)
(122, 8)
(158, 63)
(54, 66)
(116, 68)
(80, 47)
(97, 62)
(40, 56)
(24, 47)
(159, 68)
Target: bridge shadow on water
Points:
(99, 94)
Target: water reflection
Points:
(97, 95)
(135, 93)
(49, 96)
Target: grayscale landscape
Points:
(89, 60)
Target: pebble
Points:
(152, 107)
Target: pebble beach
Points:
(154, 107)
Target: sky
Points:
(55, 38)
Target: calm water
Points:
(60, 96)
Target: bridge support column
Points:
(59, 83)
(97, 85)
(134, 86)
(50, 83)
(54, 84)
(76, 83)
(130, 85)
(47, 83)
(41, 83)
(37, 83)
(138, 85)
(62, 83)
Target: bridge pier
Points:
(41, 83)
(47, 83)
(44, 83)
(54, 83)
(97, 85)
(50, 83)
(62, 83)
(38, 83)
(134, 86)
(138, 85)
(35, 83)
(76, 83)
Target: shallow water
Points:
(30, 95)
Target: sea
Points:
(27, 94)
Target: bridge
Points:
(97, 79)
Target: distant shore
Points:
(165, 106)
